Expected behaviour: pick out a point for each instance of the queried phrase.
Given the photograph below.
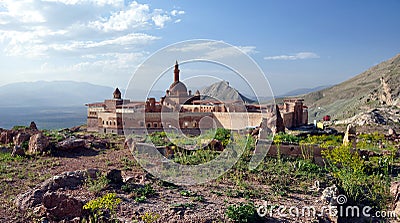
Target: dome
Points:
(178, 88)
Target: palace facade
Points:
(180, 109)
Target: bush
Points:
(223, 135)
(243, 212)
(99, 206)
(361, 183)
(286, 138)
(97, 185)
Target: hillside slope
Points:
(222, 91)
(375, 88)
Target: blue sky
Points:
(296, 43)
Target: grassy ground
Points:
(232, 197)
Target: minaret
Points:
(176, 72)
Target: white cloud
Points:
(84, 34)
(176, 12)
(135, 16)
(297, 56)
(160, 20)
(214, 49)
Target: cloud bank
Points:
(87, 36)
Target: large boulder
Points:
(20, 138)
(30, 199)
(62, 206)
(64, 181)
(71, 143)
(38, 143)
(114, 176)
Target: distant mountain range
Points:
(301, 91)
(52, 94)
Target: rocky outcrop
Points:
(71, 143)
(20, 138)
(377, 116)
(33, 126)
(62, 206)
(65, 181)
(38, 143)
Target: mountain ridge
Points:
(374, 88)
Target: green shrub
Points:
(194, 157)
(361, 183)
(223, 135)
(243, 212)
(98, 184)
(142, 193)
(98, 207)
(19, 127)
(286, 138)
(149, 217)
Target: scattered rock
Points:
(6, 136)
(38, 143)
(62, 206)
(392, 132)
(329, 195)
(75, 129)
(66, 180)
(216, 145)
(33, 126)
(114, 176)
(30, 199)
(71, 143)
(18, 150)
(395, 192)
(100, 144)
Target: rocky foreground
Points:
(58, 176)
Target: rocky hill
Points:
(376, 88)
(222, 91)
